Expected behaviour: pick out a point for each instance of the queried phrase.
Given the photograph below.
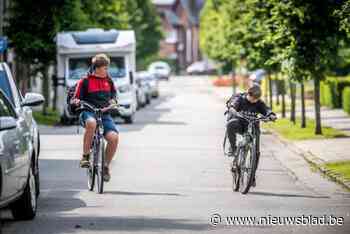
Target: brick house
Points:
(180, 22)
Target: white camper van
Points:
(74, 53)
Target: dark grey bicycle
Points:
(245, 158)
(97, 161)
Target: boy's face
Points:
(252, 99)
(102, 71)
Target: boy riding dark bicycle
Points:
(98, 89)
(248, 103)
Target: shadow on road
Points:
(95, 224)
(286, 195)
(141, 193)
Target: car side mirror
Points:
(7, 123)
(33, 99)
(131, 77)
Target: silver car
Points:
(160, 69)
(151, 81)
(19, 148)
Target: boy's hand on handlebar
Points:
(112, 105)
(75, 101)
(113, 102)
(272, 116)
(106, 109)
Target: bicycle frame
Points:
(247, 149)
(97, 146)
(97, 136)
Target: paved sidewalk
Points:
(328, 150)
(335, 118)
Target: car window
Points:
(13, 88)
(5, 107)
(5, 85)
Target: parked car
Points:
(201, 68)
(154, 85)
(19, 148)
(141, 92)
(160, 69)
(151, 84)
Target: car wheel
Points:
(25, 207)
(37, 173)
(144, 102)
(129, 119)
(37, 179)
(138, 102)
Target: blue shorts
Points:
(107, 121)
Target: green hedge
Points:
(346, 99)
(331, 91)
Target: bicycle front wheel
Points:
(247, 166)
(91, 174)
(100, 166)
(236, 173)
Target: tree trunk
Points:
(283, 93)
(46, 89)
(303, 117)
(278, 86)
(266, 91)
(234, 84)
(292, 104)
(270, 91)
(28, 77)
(25, 77)
(18, 71)
(54, 101)
(318, 129)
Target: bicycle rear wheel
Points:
(100, 166)
(247, 165)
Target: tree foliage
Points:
(34, 24)
(299, 37)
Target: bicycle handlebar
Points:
(251, 118)
(86, 105)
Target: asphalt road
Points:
(170, 176)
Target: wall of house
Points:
(187, 46)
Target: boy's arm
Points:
(78, 90)
(234, 102)
(113, 94)
(266, 111)
(263, 109)
(78, 94)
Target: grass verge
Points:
(291, 131)
(51, 118)
(342, 168)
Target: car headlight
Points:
(124, 88)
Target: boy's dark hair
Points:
(255, 91)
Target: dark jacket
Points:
(97, 91)
(241, 104)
